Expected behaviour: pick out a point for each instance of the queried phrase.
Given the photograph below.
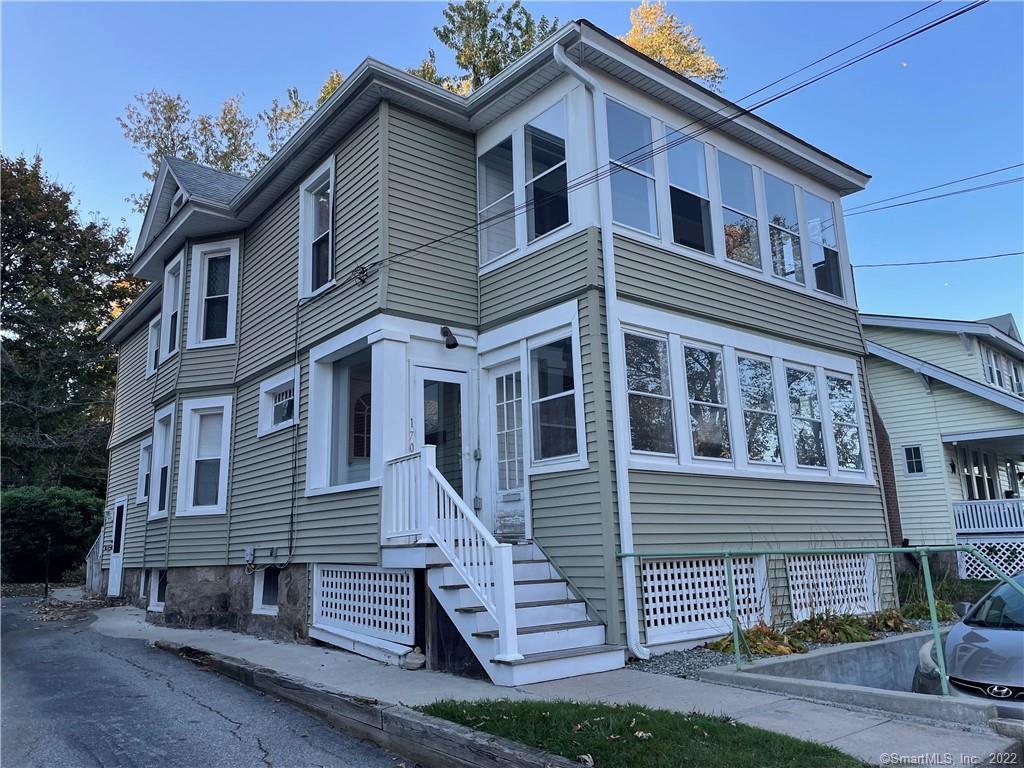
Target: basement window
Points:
(265, 591)
(157, 589)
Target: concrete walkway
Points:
(874, 738)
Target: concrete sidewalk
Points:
(872, 737)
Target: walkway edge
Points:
(434, 742)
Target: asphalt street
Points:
(72, 697)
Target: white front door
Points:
(440, 408)
(509, 502)
(117, 547)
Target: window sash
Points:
(560, 430)
(913, 460)
(663, 442)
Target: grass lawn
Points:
(637, 737)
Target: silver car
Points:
(984, 652)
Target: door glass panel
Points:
(509, 503)
(442, 427)
(118, 530)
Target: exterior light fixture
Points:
(450, 342)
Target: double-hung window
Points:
(913, 460)
(153, 346)
(824, 244)
(162, 454)
(760, 415)
(205, 445)
(316, 219)
(805, 412)
(632, 168)
(212, 294)
(547, 195)
(783, 229)
(739, 211)
(845, 426)
(496, 190)
(279, 402)
(1002, 371)
(689, 200)
(170, 329)
(649, 383)
(709, 412)
(553, 400)
(145, 471)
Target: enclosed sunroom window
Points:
(783, 229)
(650, 394)
(547, 198)
(739, 211)
(688, 194)
(632, 168)
(553, 400)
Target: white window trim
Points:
(141, 497)
(671, 396)
(154, 585)
(165, 413)
(311, 182)
(903, 460)
(197, 290)
(153, 351)
(514, 342)
(258, 607)
(168, 306)
(189, 418)
(268, 389)
(685, 330)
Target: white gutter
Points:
(616, 354)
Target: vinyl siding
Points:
(133, 413)
(654, 276)
(942, 349)
(122, 480)
(545, 277)
(431, 192)
(205, 367)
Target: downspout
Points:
(616, 354)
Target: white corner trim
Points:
(268, 389)
(919, 366)
(197, 289)
(183, 507)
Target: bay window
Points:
(783, 229)
(547, 196)
(316, 224)
(650, 394)
(824, 244)
(760, 417)
(553, 400)
(205, 447)
(631, 168)
(689, 200)
(739, 211)
(212, 294)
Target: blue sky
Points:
(944, 105)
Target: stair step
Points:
(492, 633)
(518, 581)
(533, 604)
(568, 653)
(515, 561)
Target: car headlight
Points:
(927, 661)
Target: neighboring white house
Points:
(951, 396)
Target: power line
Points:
(938, 197)
(595, 175)
(929, 189)
(938, 261)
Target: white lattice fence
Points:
(687, 599)
(832, 584)
(1006, 553)
(379, 602)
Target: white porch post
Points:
(389, 406)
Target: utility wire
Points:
(938, 261)
(937, 197)
(929, 189)
(360, 272)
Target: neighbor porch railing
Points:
(419, 502)
(993, 516)
(730, 556)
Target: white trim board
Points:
(970, 386)
(983, 434)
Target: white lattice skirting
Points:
(1006, 552)
(832, 584)
(378, 602)
(688, 599)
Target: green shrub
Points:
(71, 518)
(760, 640)
(918, 610)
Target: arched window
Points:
(361, 427)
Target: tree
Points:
(331, 84)
(282, 120)
(485, 41)
(63, 279)
(660, 35)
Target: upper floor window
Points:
(170, 330)
(783, 229)
(145, 471)
(547, 196)
(824, 244)
(913, 460)
(497, 201)
(203, 466)
(739, 211)
(153, 346)
(279, 401)
(161, 456)
(1001, 370)
(316, 220)
(212, 294)
(689, 199)
(632, 168)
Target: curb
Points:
(431, 741)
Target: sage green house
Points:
(951, 396)
(424, 378)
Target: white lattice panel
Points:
(686, 599)
(832, 584)
(379, 602)
(1006, 553)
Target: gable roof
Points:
(209, 184)
(946, 376)
(988, 328)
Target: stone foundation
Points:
(221, 597)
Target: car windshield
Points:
(1002, 608)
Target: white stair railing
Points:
(403, 499)
(991, 516)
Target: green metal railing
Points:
(923, 552)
